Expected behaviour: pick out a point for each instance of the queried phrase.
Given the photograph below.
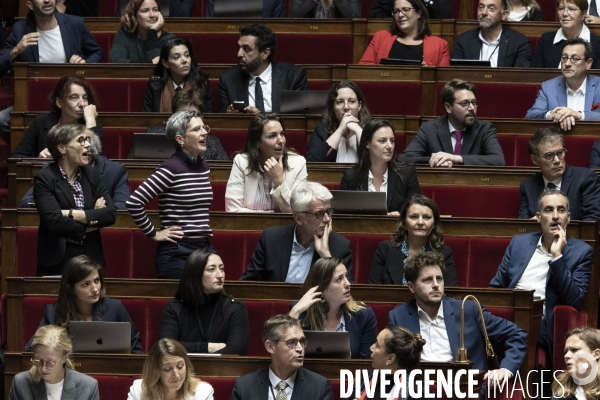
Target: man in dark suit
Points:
(581, 186)
(459, 137)
(271, 8)
(594, 161)
(502, 46)
(437, 319)
(255, 65)
(285, 378)
(553, 264)
(285, 253)
(438, 9)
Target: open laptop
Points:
(327, 344)
(238, 9)
(303, 101)
(399, 61)
(152, 146)
(100, 336)
(470, 63)
(359, 202)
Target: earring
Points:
(322, 299)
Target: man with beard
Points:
(437, 319)
(502, 46)
(257, 80)
(458, 137)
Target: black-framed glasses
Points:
(82, 139)
(321, 213)
(574, 60)
(41, 363)
(561, 153)
(403, 10)
(466, 103)
(293, 343)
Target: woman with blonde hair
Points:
(524, 10)
(168, 374)
(52, 374)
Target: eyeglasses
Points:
(574, 60)
(204, 128)
(550, 156)
(321, 213)
(403, 10)
(82, 139)
(568, 10)
(41, 363)
(293, 343)
(466, 103)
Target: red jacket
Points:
(435, 50)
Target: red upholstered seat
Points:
(579, 149)
(118, 142)
(105, 40)
(506, 313)
(507, 142)
(258, 313)
(392, 98)
(218, 203)
(142, 256)
(26, 251)
(565, 319)
(400, 138)
(38, 91)
(217, 48)
(251, 241)
(427, 191)
(315, 49)
(381, 312)
(362, 255)
(117, 254)
(155, 309)
(222, 386)
(366, 6)
(33, 310)
(138, 311)
(233, 261)
(113, 387)
(231, 140)
(135, 96)
(214, 85)
(477, 202)
(485, 257)
(107, 8)
(460, 254)
(522, 158)
(533, 41)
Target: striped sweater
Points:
(184, 196)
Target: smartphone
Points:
(239, 105)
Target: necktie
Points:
(259, 102)
(458, 145)
(551, 185)
(281, 391)
(593, 8)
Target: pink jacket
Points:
(435, 50)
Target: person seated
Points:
(378, 171)
(336, 138)
(285, 253)
(177, 8)
(571, 16)
(73, 101)
(52, 374)
(184, 196)
(264, 173)
(284, 340)
(419, 229)
(492, 41)
(168, 373)
(408, 38)
(328, 306)
(72, 202)
(202, 317)
(524, 10)
(257, 80)
(113, 174)
(176, 70)
(191, 100)
(396, 349)
(582, 346)
(141, 35)
(271, 8)
(575, 95)
(325, 9)
(594, 161)
(81, 297)
(441, 9)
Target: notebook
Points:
(152, 146)
(303, 101)
(359, 202)
(470, 63)
(327, 344)
(238, 9)
(100, 336)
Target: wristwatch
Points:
(71, 213)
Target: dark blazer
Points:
(402, 185)
(233, 84)
(547, 54)
(271, 258)
(271, 8)
(387, 266)
(106, 309)
(154, 92)
(318, 148)
(229, 325)
(76, 38)
(503, 334)
(595, 155)
(581, 186)
(436, 9)
(514, 49)
(480, 144)
(567, 280)
(52, 194)
(77, 386)
(113, 174)
(35, 139)
(342, 8)
(308, 385)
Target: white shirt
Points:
(584, 34)
(266, 83)
(515, 16)
(50, 46)
(489, 50)
(175, 86)
(453, 135)
(556, 182)
(437, 346)
(347, 151)
(384, 185)
(274, 380)
(341, 326)
(580, 393)
(300, 261)
(54, 390)
(575, 100)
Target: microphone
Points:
(492, 358)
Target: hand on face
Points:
(322, 242)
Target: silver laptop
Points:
(359, 202)
(152, 146)
(303, 101)
(327, 344)
(100, 336)
(238, 9)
